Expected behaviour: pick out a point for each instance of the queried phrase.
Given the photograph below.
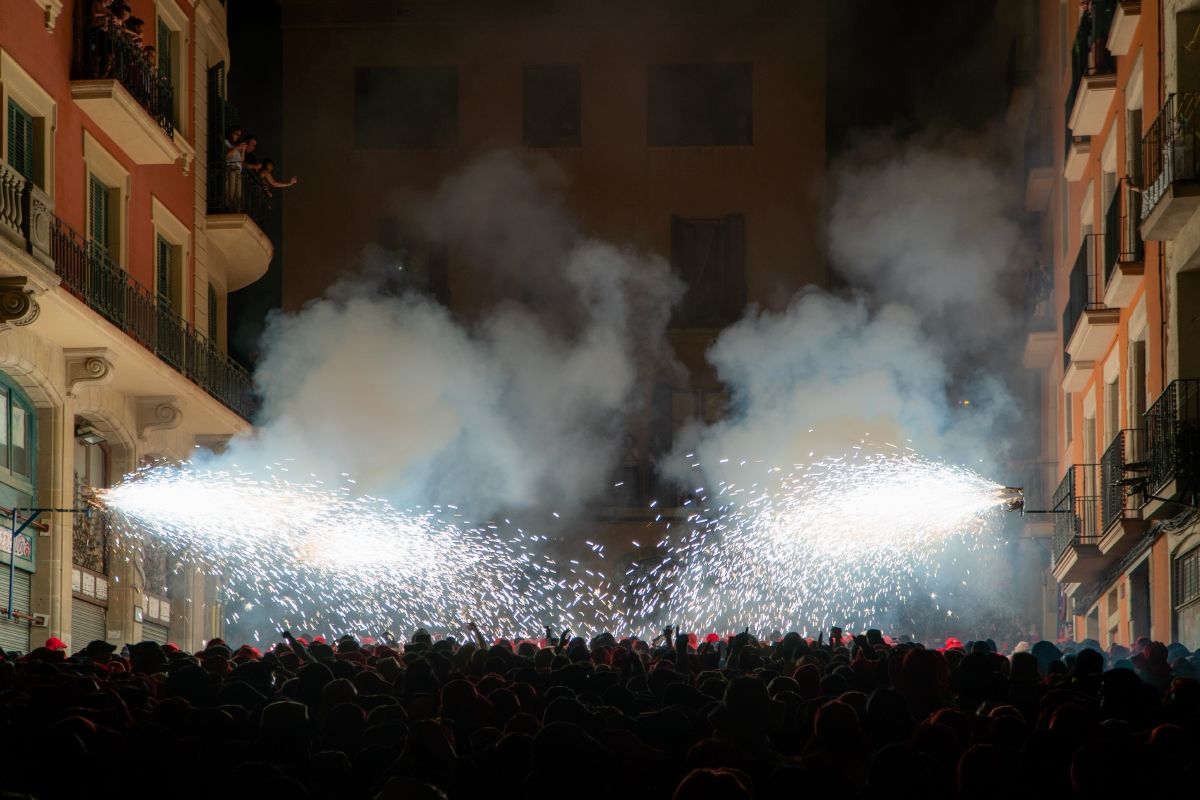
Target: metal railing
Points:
(1169, 149)
(88, 273)
(1076, 507)
(1173, 437)
(238, 191)
(1089, 51)
(1086, 290)
(108, 52)
(1122, 239)
(1039, 299)
(1124, 460)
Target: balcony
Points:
(238, 206)
(1173, 446)
(122, 90)
(1041, 339)
(1079, 150)
(1124, 251)
(1122, 468)
(1075, 507)
(1124, 24)
(1088, 324)
(1093, 71)
(1171, 172)
(88, 274)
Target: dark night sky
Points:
(899, 65)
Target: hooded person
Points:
(1046, 654)
(747, 716)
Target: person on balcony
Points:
(266, 173)
(235, 165)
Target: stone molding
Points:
(157, 414)
(88, 366)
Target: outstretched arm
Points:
(479, 640)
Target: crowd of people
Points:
(730, 717)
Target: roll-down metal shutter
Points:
(153, 632)
(87, 623)
(14, 634)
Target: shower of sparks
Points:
(319, 559)
(840, 541)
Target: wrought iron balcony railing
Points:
(1120, 466)
(1173, 438)
(1039, 299)
(1089, 51)
(88, 273)
(1085, 288)
(1076, 507)
(238, 191)
(1169, 149)
(108, 52)
(1122, 239)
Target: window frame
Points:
(16, 84)
(168, 13)
(17, 398)
(171, 230)
(99, 163)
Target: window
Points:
(1068, 418)
(27, 122)
(708, 255)
(167, 279)
(214, 309)
(1136, 383)
(16, 434)
(20, 140)
(1089, 440)
(550, 94)
(1064, 202)
(170, 44)
(405, 107)
(1112, 411)
(1186, 586)
(697, 105)
(100, 217)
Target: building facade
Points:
(693, 131)
(118, 247)
(1113, 338)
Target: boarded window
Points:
(405, 107)
(697, 105)
(708, 255)
(550, 93)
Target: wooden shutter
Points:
(164, 271)
(98, 219)
(164, 50)
(213, 310)
(20, 139)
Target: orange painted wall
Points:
(47, 58)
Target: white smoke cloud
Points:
(926, 237)
(523, 406)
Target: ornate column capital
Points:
(157, 414)
(88, 365)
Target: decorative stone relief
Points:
(88, 366)
(157, 414)
(17, 306)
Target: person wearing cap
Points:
(55, 643)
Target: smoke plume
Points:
(514, 406)
(925, 235)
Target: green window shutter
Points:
(20, 139)
(98, 225)
(164, 50)
(163, 284)
(213, 310)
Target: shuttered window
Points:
(164, 50)
(98, 214)
(213, 310)
(165, 271)
(14, 634)
(20, 140)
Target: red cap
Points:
(171, 647)
(712, 637)
(55, 643)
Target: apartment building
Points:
(691, 130)
(117, 253)
(1113, 338)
